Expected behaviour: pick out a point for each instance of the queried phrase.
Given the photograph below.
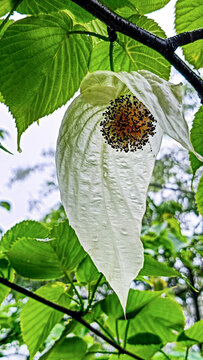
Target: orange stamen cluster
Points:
(127, 124)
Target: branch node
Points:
(112, 34)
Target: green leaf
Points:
(35, 7)
(195, 163)
(103, 190)
(6, 6)
(199, 196)
(28, 228)
(87, 272)
(193, 335)
(38, 319)
(160, 317)
(143, 7)
(35, 259)
(47, 259)
(189, 17)
(144, 339)
(196, 133)
(6, 205)
(66, 349)
(129, 55)
(147, 6)
(152, 267)
(7, 273)
(1, 146)
(67, 246)
(41, 66)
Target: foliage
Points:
(44, 58)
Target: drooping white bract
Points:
(103, 190)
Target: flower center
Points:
(127, 124)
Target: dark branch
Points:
(76, 315)
(185, 38)
(164, 46)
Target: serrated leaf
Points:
(196, 133)
(147, 6)
(8, 273)
(199, 196)
(129, 55)
(35, 259)
(152, 267)
(47, 259)
(38, 319)
(35, 7)
(28, 228)
(41, 66)
(189, 17)
(67, 246)
(102, 190)
(66, 349)
(195, 163)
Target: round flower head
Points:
(127, 124)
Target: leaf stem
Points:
(111, 56)
(162, 352)
(76, 315)
(117, 332)
(93, 294)
(105, 330)
(17, 3)
(126, 333)
(187, 353)
(76, 291)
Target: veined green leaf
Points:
(196, 133)
(143, 7)
(37, 319)
(147, 6)
(103, 190)
(7, 272)
(129, 55)
(199, 196)
(28, 228)
(66, 349)
(41, 66)
(47, 259)
(189, 17)
(152, 267)
(35, 7)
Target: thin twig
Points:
(185, 38)
(76, 315)
(162, 46)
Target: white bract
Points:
(103, 190)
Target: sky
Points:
(36, 139)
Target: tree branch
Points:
(185, 38)
(165, 47)
(76, 315)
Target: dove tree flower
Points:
(107, 146)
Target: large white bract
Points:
(103, 190)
